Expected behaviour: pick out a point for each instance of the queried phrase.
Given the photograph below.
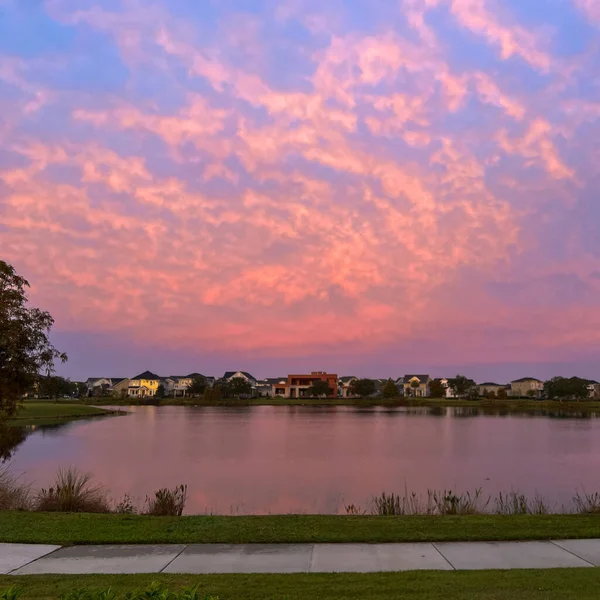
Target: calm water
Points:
(291, 459)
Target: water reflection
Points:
(308, 459)
(10, 439)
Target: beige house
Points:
(415, 385)
(120, 389)
(488, 386)
(526, 387)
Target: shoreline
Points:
(517, 405)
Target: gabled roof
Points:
(193, 376)
(421, 378)
(526, 379)
(592, 382)
(491, 384)
(273, 380)
(148, 375)
(347, 378)
(230, 374)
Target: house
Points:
(594, 389)
(120, 388)
(177, 385)
(415, 385)
(344, 384)
(229, 375)
(527, 387)
(101, 386)
(489, 387)
(447, 386)
(271, 386)
(144, 385)
(297, 385)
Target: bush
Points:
(72, 492)
(13, 495)
(167, 503)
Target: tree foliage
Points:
(502, 395)
(437, 389)
(198, 386)
(25, 348)
(462, 386)
(238, 386)
(160, 391)
(320, 388)
(362, 387)
(390, 389)
(567, 388)
(53, 386)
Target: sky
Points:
(368, 187)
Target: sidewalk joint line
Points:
(573, 553)
(310, 558)
(185, 547)
(36, 559)
(440, 553)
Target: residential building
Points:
(488, 386)
(594, 389)
(271, 386)
(120, 388)
(101, 386)
(527, 387)
(229, 375)
(177, 385)
(144, 385)
(297, 385)
(415, 385)
(344, 384)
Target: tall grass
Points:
(167, 503)
(14, 495)
(587, 504)
(513, 503)
(12, 593)
(73, 492)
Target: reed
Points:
(167, 503)
(14, 495)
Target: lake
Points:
(265, 459)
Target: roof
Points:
(491, 384)
(526, 379)
(347, 378)
(407, 378)
(148, 375)
(230, 374)
(193, 376)
(273, 380)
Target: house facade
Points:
(416, 386)
(297, 385)
(101, 386)
(271, 387)
(489, 387)
(144, 385)
(120, 388)
(527, 387)
(229, 375)
(594, 389)
(344, 384)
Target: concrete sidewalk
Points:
(24, 559)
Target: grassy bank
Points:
(515, 405)
(64, 528)
(48, 413)
(542, 584)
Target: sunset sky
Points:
(368, 187)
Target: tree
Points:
(216, 395)
(563, 388)
(160, 391)
(53, 386)
(207, 394)
(198, 386)
(238, 386)
(82, 389)
(319, 388)
(502, 395)
(436, 389)
(415, 385)
(461, 385)
(362, 387)
(25, 348)
(531, 393)
(390, 389)
(492, 395)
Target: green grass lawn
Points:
(34, 413)
(547, 584)
(61, 528)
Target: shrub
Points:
(72, 492)
(167, 503)
(587, 504)
(448, 503)
(12, 593)
(126, 506)
(13, 495)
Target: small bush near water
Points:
(73, 492)
(13, 494)
(167, 503)
(155, 591)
